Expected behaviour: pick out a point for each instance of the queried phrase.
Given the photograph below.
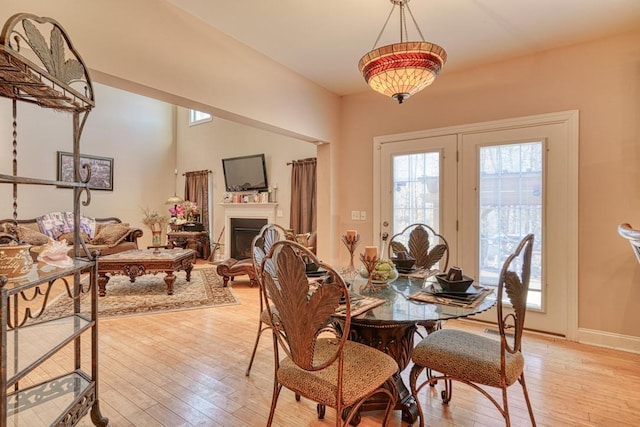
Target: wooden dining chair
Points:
(478, 360)
(319, 362)
(260, 246)
(424, 244)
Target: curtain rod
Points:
(206, 170)
(307, 160)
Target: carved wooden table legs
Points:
(137, 263)
(169, 280)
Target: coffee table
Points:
(138, 262)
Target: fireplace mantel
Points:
(245, 210)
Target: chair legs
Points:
(261, 328)
(274, 401)
(526, 398)
(446, 394)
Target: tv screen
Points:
(246, 173)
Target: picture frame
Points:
(101, 170)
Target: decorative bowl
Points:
(454, 285)
(311, 267)
(403, 263)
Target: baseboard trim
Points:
(628, 343)
(609, 340)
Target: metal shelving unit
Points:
(49, 73)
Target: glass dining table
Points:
(392, 325)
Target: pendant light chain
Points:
(15, 158)
(414, 23)
(384, 26)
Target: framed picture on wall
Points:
(101, 170)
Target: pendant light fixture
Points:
(402, 69)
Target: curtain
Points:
(303, 196)
(196, 189)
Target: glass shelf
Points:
(43, 273)
(27, 345)
(41, 405)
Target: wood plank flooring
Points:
(187, 368)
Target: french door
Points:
(484, 187)
(419, 185)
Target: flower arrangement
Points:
(154, 221)
(183, 213)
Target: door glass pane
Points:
(416, 190)
(510, 191)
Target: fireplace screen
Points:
(243, 230)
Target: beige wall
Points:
(154, 48)
(203, 146)
(602, 81)
(133, 130)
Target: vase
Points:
(156, 237)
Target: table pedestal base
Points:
(396, 340)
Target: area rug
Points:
(149, 295)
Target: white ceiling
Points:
(323, 40)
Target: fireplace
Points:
(243, 230)
(264, 212)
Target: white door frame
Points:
(570, 119)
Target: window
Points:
(196, 117)
(416, 192)
(510, 206)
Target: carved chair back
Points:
(514, 282)
(303, 308)
(424, 244)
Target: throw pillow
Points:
(111, 234)
(8, 228)
(31, 236)
(88, 226)
(54, 224)
(69, 237)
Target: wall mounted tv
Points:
(246, 173)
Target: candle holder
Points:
(351, 242)
(370, 265)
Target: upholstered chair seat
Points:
(447, 350)
(264, 316)
(364, 369)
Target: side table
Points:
(196, 240)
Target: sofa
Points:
(106, 235)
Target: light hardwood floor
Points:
(187, 369)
